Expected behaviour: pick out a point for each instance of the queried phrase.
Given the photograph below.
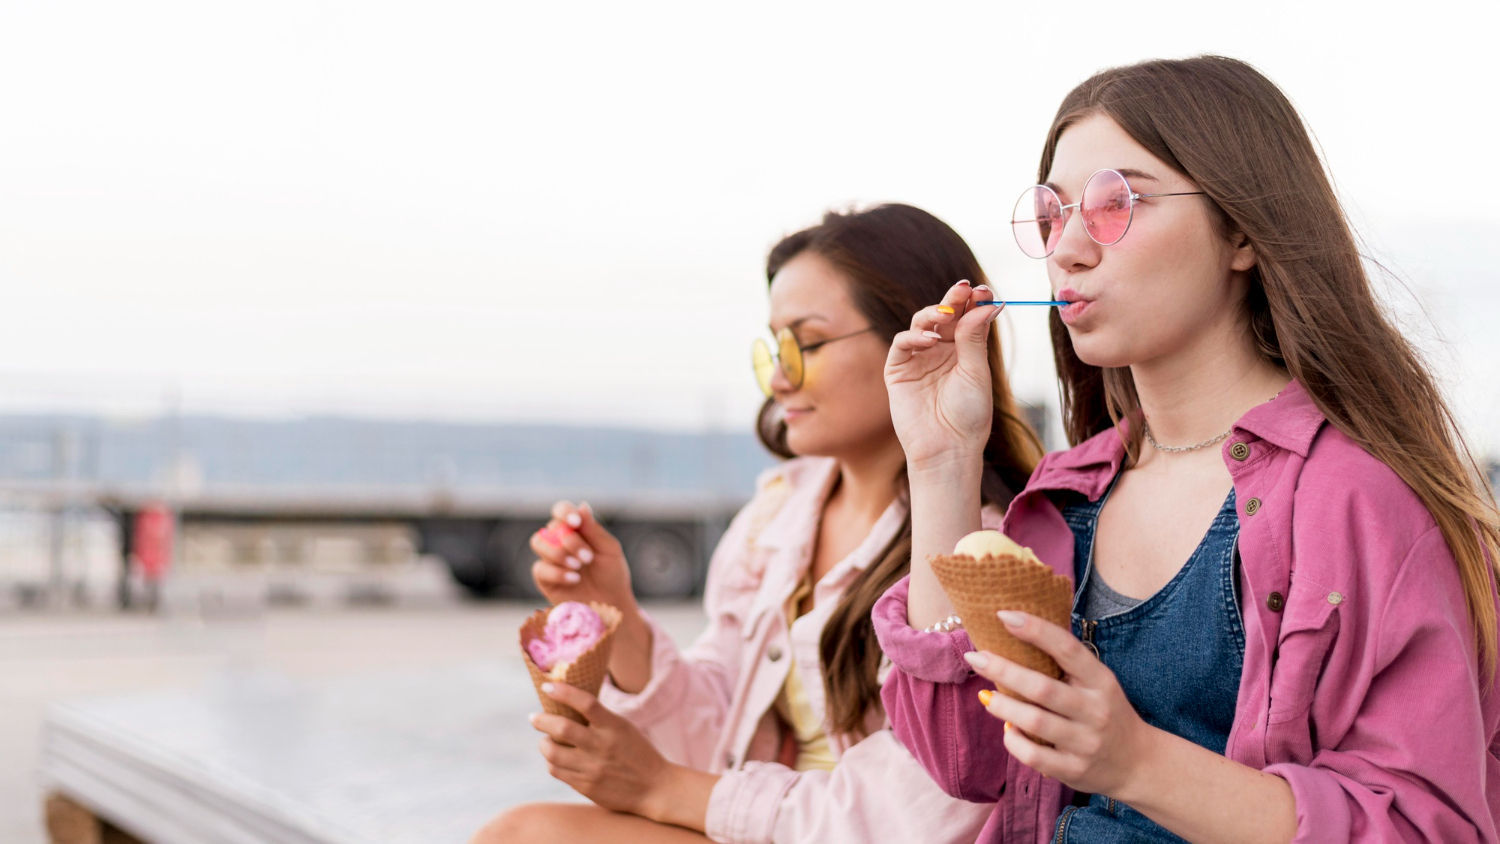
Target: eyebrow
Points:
(1127, 172)
(1131, 173)
(796, 322)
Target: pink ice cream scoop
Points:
(572, 628)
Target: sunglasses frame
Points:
(760, 347)
(1066, 209)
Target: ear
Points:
(1243, 258)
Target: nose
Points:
(1075, 249)
(780, 384)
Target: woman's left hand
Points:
(1098, 738)
(609, 761)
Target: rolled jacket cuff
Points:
(932, 657)
(1322, 804)
(743, 806)
(661, 694)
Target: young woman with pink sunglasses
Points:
(1283, 554)
(769, 727)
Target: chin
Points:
(1100, 351)
(804, 443)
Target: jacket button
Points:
(1252, 506)
(774, 653)
(1239, 451)
(1274, 602)
(1335, 598)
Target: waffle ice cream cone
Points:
(584, 672)
(1004, 576)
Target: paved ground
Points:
(45, 657)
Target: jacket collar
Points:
(1086, 468)
(795, 525)
(810, 480)
(1289, 421)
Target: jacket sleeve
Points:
(1410, 765)
(932, 699)
(684, 705)
(877, 792)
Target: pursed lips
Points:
(1079, 304)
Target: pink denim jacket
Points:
(1360, 684)
(711, 706)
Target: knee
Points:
(532, 822)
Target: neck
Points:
(1199, 392)
(868, 481)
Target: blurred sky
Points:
(558, 211)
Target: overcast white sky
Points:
(483, 210)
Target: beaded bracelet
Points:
(947, 625)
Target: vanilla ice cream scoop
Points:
(989, 572)
(991, 543)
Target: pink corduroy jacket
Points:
(711, 706)
(1360, 685)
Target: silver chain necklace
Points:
(1146, 426)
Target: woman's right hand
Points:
(938, 378)
(578, 560)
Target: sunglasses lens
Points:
(791, 357)
(1037, 221)
(765, 365)
(1106, 207)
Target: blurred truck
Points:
(471, 493)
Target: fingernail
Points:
(963, 281)
(575, 520)
(1008, 727)
(994, 313)
(571, 577)
(1011, 618)
(944, 309)
(984, 287)
(548, 688)
(933, 334)
(985, 695)
(976, 659)
(574, 564)
(586, 555)
(532, 718)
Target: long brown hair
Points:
(1311, 309)
(897, 259)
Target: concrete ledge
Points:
(415, 756)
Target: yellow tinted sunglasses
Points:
(788, 356)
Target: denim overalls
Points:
(1177, 655)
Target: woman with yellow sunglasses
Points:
(770, 725)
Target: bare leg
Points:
(549, 823)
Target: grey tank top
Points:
(1099, 600)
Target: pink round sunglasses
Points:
(1107, 205)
